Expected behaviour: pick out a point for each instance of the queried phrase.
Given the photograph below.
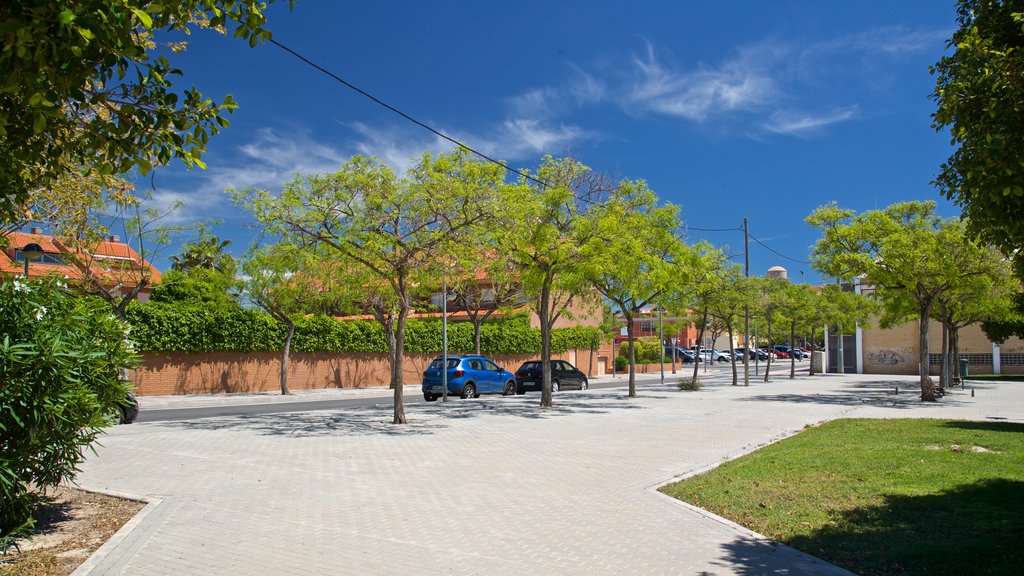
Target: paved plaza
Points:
(488, 486)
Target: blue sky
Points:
(727, 109)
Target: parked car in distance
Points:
(128, 410)
(715, 356)
(469, 376)
(790, 351)
(563, 375)
(752, 354)
(683, 355)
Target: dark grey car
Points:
(563, 376)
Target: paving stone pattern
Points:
(487, 486)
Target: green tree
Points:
(285, 280)
(84, 85)
(61, 360)
(986, 295)
(727, 304)
(482, 283)
(202, 273)
(540, 234)
(979, 92)
(392, 229)
(769, 305)
(633, 256)
(903, 252)
(206, 252)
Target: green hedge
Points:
(167, 327)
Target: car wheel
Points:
(510, 389)
(554, 386)
(469, 391)
(429, 397)
(520, 390)
(583, 384)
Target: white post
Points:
(997, 362)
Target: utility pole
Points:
(746, 307)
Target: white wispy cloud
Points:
(696, 95)
(269, 160)
(802, 124)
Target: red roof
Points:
(112, 262)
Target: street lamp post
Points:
(33, 252)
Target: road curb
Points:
(101, 553)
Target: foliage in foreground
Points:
(60, 361)
(882, 496)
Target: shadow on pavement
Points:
(423, 418)
(760, 557)
(870, 392)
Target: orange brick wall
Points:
(222, 372)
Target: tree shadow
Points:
(987, 426)
(760, 557)
(971, 529)
(887, 393)
(423, 418)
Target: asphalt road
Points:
(196, 413)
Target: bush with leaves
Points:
(60, 363)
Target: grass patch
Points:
(882, 496)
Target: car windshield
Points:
(436, 364)
(530, 366)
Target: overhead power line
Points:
(715, 229)
(776, 252)
(423, 125)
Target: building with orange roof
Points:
(110, 264)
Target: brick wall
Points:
(222, 372)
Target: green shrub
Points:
(177, 327)
(621, 363)
(690, 384)
(60, 360)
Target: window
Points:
(46, 259)
(476, 364)
(490, 366)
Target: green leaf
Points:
(146, 19)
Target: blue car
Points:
(468, 377)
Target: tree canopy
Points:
(85, 86)
(979, 93)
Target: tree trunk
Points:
(768, 365)
(397, 374)
(477, 327)
(735, 375)
(792, 356)
(944, 370)
(284, 357)
(700, 344)
(632, 352)
(927, 394)
(954, 340)
(590, 370)
(545, 343)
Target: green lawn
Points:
(883, 496)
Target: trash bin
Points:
(963, 368)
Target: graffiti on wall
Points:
(886, 357)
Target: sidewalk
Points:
(489, 486)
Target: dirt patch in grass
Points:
(69, 528)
